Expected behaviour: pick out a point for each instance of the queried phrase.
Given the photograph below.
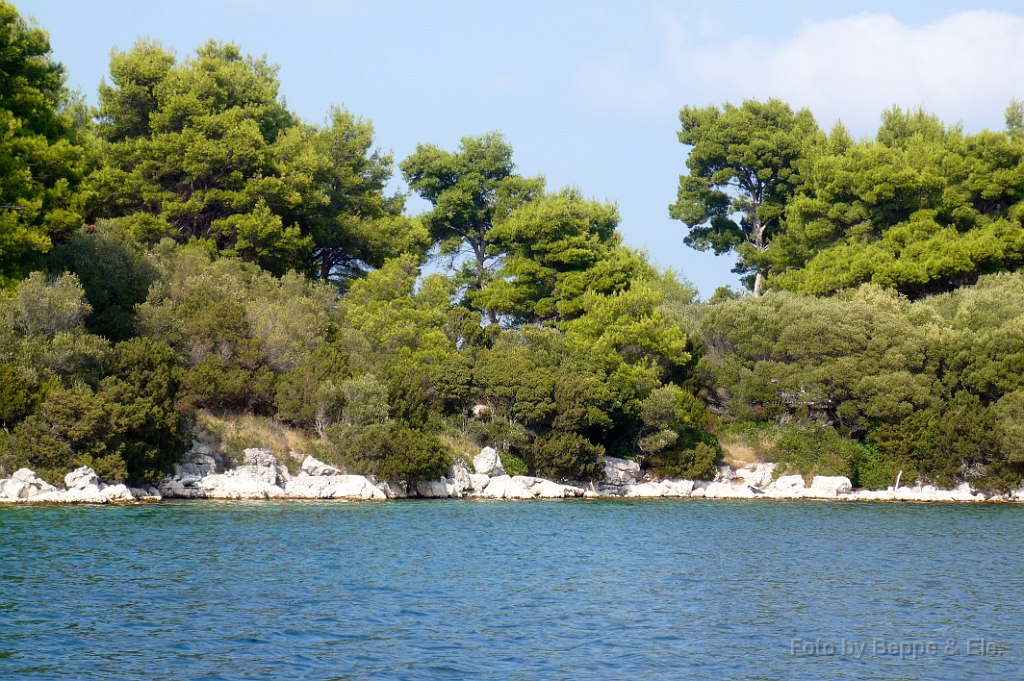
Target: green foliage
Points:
(565, 455)
(699, 462)
(514, 465)
(42, 333)
(399, 336)
(390, 450)
(470, 190)
(143, 381)
(922, 208)
(815, 450)
(366, 401)
(413, 455)
(631, 337)
(672, 442)
(204, 149)
(555, 249)
(17, 396)
(40, 162)
(879, 470)
(745, 160)
(114, 272)
(1009, 424)
(308, 395)
(233, 326)
(930, 385)
(340, 179)
(126, 430)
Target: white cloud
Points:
(967, 66)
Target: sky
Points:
(588, 93)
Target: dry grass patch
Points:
(747, 446)
(231, 435)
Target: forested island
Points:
(189, 260)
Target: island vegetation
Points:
(190, 259)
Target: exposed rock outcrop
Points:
(82, 486)
(263, 478)
(488, 462)
(24, 485)
(203, 474)
(619, 472)
(311, 466)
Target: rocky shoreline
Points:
(203, 474)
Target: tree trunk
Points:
(480, 251)
(759, 246)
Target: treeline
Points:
(916, 361)
(189, 248)
(921, 207)
(201, 249)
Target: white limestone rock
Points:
(459, 477)
(488, 462)
(394, 489)
(757, 476)
(340, 486)
(313, 466)
(181, 487)
(478, 482)
(725, 490)
(24, 485)
(81, 478)
(546, 489)
(435, 489)
(789, 482)
(198, 462)
(828, 487)
(620, 472)
(521, 487)
(116, 493)
(725, 474)
(257, 456)
(644, 490)
(145, 493)
(963, 492)
(507, 487)
(496, 487)
(259, 478)
(677, 488)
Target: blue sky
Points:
(588, 93)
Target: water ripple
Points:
(447, 589)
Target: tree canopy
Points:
(469, 189)
(189, 256)
(40, 162)
(744, 167)
(205, 149)
(922, 208)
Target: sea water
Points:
(575, 589)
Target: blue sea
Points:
(444, 589)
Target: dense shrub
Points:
(928, 384)
(390, 450)
(699, 462)
(308, 395)
(17, 396)
(114, 272)
(815, 450)
(564, 455)
(128, 429)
